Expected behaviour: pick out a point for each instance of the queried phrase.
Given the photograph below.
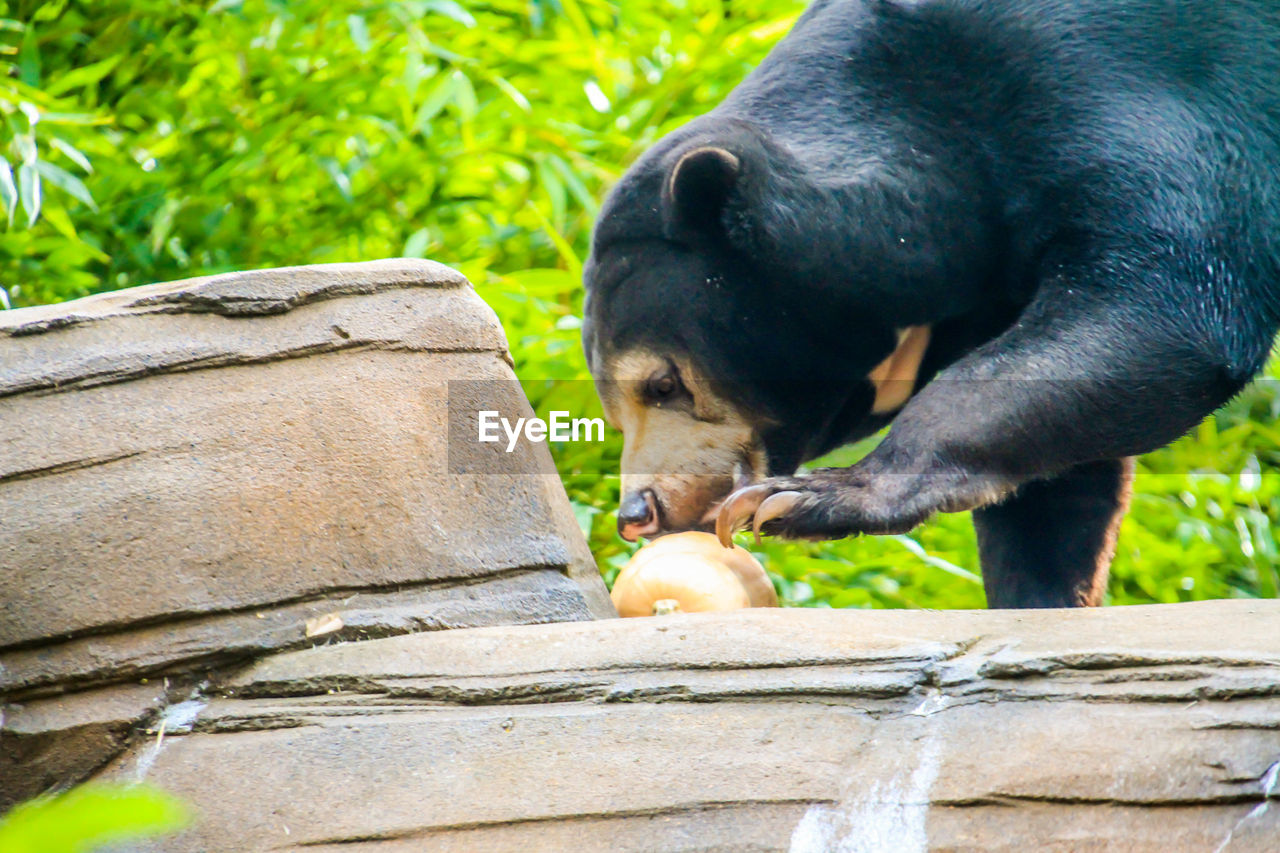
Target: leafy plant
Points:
(87, 817)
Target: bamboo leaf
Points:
(86, 75)
(436, 100)
(29, 191)
(61, 222)
(29, 58)
(339, 177)
(567, 254)
(416, 245)
(451, 10)
(359, 29)
(72, 153)
(517, 97)
(464, 96)
(64, 180)
(8, 191)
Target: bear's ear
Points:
(698, 187)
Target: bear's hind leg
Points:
(1050, 543)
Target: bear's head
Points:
(720, 362)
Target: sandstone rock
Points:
(192, 470)
(45, 742)
(545, 595)
(1136, 729)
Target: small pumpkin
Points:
(691, 572)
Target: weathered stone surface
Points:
(45, 742)
(544, 595)
(1138, 729)
(179, 460)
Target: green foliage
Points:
(170, 138)
(87, 817)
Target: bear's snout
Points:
(638, 515)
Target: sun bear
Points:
(1037, 237)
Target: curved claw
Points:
(774, 506)
(737, 509)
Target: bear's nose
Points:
(638, 515)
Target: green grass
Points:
(171, 139)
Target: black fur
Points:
(1069, 523)
(1082, 197)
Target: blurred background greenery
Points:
(150, 140)
(90, 816)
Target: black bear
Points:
(1037, 236)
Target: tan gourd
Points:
(691, 572)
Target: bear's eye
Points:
(663, 386)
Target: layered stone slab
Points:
(1138, 729)
(197, 473)
(192, 470)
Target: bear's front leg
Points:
(1098, 367)
(878, 495)
(1050, 544)
(892, 490)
